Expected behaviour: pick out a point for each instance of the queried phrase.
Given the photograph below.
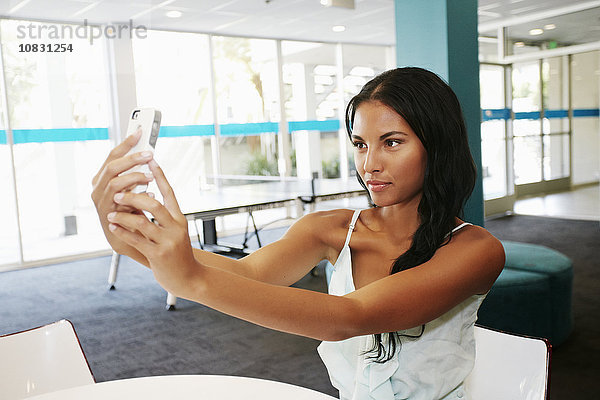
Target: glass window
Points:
(172, 74)
(9, 237)
(526, 125)
(493, 131)
(247, 105)
(556, 156)
(59, 116)
(312, 104)
(488, 46)
(527, 159)
(585, 84)
(556, 122)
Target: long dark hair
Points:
(433, 112)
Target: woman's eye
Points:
(392, 142)
(359, 145)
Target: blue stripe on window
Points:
(527, 115)
(504, 113)
(586, 112)
(556, 114)
(55, 135)
(249, 129)
(187, 130)
(491, 114)
(328, 125)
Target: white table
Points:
(186, 387)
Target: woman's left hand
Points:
(165, 243)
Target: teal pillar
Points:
(441, 36)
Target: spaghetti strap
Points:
(457, 228)
(461, 225)
(351, 226)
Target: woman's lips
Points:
(377, 186)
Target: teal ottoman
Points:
(532, 295)
(519, 302)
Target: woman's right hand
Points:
(110, 180)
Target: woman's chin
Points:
(380, 201)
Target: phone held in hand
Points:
(148, 121)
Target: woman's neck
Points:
(398, 221)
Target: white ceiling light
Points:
(536, 31)
(325, 70)
(174, 14)
(549, 27)
(519, 44)
(338, 28)
(338, 3)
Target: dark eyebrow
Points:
(384, 136)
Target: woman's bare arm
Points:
(468, 265)
(400, 301)
(284, 261)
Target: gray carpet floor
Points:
(128, 333)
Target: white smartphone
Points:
(148, 121)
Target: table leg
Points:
(171, 301)
(209, 229)
(198, 233)
(255, 230)
(114, 268)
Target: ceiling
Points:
(370, 22)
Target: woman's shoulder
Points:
(479, 242)
(470, 232)
(325, 223)
(329, 227)
(328, 218)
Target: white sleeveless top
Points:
(432, 366)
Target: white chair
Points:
(42, 360)
(509, 366)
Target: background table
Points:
(187, 387)
(248, 197)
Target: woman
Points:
(398, 322)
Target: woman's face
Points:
(388, 155)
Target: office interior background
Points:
(236, 80)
